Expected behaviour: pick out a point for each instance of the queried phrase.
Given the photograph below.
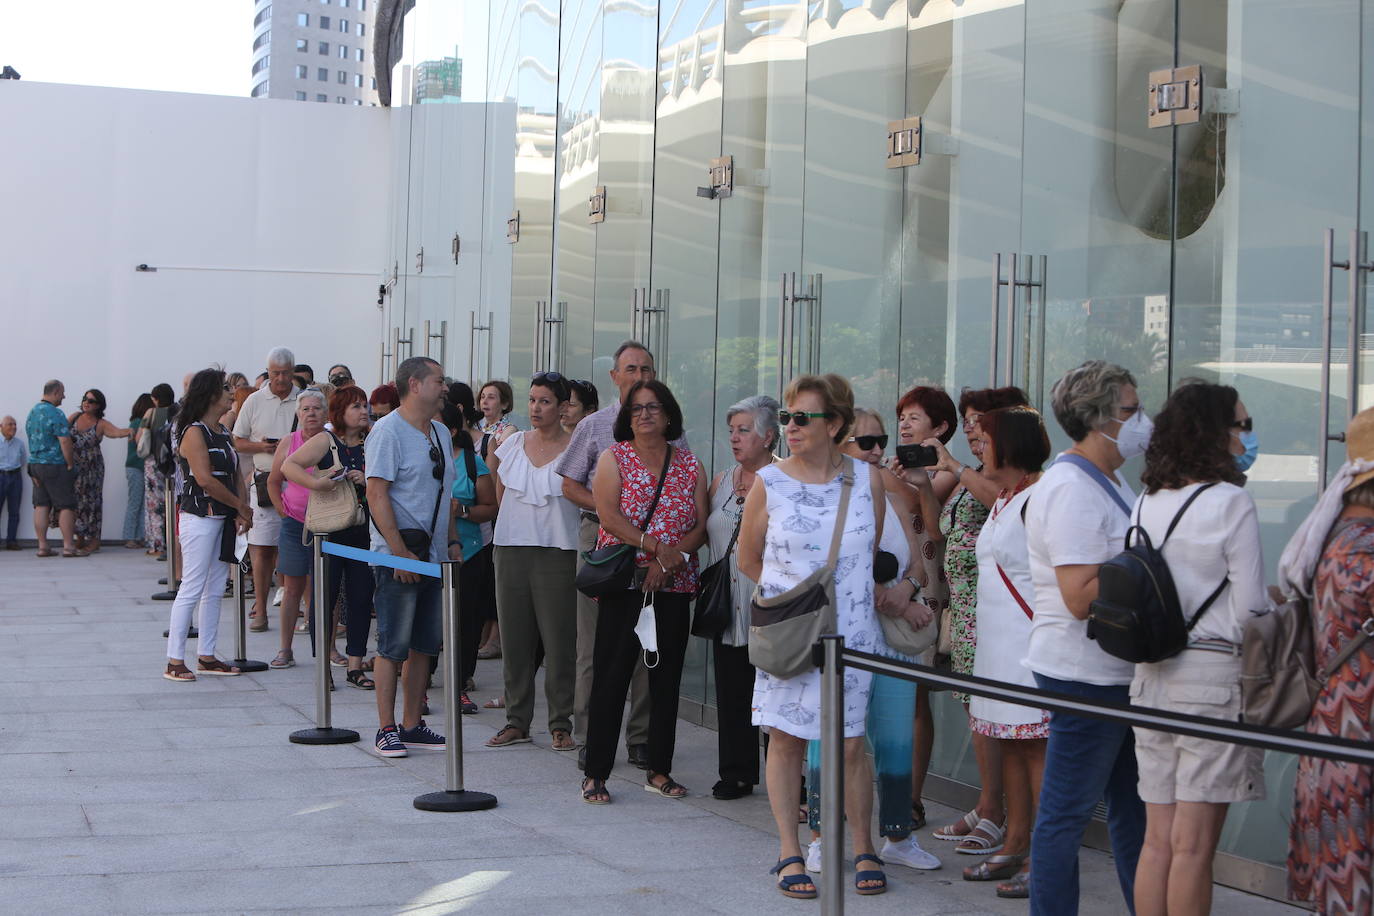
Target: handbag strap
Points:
(734, 536)
(1014, 593)
(1351, 646)
(1178, 516)
(846, 487)
(1093, 471)
(438, 497)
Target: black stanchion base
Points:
(247, 665)
(455, 801)
(192, 633)
(324, 736)
(169, 595)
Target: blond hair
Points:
(835, 394)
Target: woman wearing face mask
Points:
(1214, 555)
(1076, 519)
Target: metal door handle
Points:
(442, 337)
(475, 329)
(997, 284)
(1324, 436)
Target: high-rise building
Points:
(439, 79)
(314, 51)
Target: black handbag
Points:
(610, 569)
(419, 540)
(715, 609)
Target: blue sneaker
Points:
(389, 742)
(422, 737)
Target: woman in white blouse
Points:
(1188, 783)
(536, 559)
(1015, 448)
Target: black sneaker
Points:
(389, 742)
(422, 737)
(468, 707)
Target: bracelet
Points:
(916, 586)
(642, 535)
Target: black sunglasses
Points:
(437, 457)
(867, 442)
(802, 417)
(1246, 426)
(549, 376)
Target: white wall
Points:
(267, 221)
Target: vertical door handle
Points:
(997, 284)
(442, 337)
(663, 333)
(1324, 436)
(1358, 267)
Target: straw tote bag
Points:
(333, 510)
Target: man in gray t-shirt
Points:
(577, 465)
(409, 475)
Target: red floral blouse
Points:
(676, 513)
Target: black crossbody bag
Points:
(610, 569)
(418, 540)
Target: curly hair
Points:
(1191, 441)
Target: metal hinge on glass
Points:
(1175, 96)
(722, 173)
(596, 205)
(513, 227)
(903, 143)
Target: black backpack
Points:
(1137, 616)
(162, 451)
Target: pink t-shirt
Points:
(295, 497)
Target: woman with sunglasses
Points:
(790, 516)
(753, 427)
(668, 534)
(892, 702)
(536, 559)
(89, 427)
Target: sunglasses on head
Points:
(1246, 426)
(549, 376)
(867, 442)
(801, 417)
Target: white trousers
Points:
(202, 584)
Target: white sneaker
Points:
(908, 852)
(276, 599)
(813, 857)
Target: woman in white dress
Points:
(1015, 448)
(789, 517)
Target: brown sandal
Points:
(179, 673)
(217, 667)
(563, 740)
(508, 736)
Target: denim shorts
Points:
(409, 615)
(293, 557)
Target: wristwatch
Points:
(463, 511)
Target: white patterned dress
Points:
(801, 522)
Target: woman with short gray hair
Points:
(1076, 519)
(753, 434)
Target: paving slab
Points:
(124, 793)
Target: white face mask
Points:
(1134, 435)
(646, 628)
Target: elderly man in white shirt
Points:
(13, 456)
(267, 415)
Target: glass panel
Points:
(1366, 393)
(1248, 279)
(760, 223)
(536, 85)
(686, 230)
(579, 139)
(626, 167)
(855, 84)
(1108, 269)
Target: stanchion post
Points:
(169, 532)
(324, 732)
(454, 797)
(241, 660)
(832, 773)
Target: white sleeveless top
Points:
(534, 512)
(1003, 627)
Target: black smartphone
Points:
(917, 456)
(271, 441)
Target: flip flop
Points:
(517, 737)
(46, 552)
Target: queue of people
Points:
(1001, 558)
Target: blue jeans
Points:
(1085, 760)
(11, 488)
(135, 511)
(891, 712)
(409, 615)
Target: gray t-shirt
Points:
(400, 453)
(593, 436)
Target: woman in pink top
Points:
(293, 556)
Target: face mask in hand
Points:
(1250, 440)
(1134, 435)
(646, 628)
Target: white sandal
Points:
(984, 840)
(969, 820)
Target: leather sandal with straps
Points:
(983, 840)
(874, 877)
(953, 832)
(669, 788)
(801, 886)
(178, 673)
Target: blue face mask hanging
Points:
(1250, 440)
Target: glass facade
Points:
(753, 225)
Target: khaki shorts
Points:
(1175, 768)
(266, 530)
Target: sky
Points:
(172, 45)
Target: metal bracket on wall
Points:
(442, 337)
(903, 143)
(1175, 96)
(596, 205)
(455, 247)
(420, 260)
(513, 227)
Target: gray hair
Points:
(312, 393)
(865, 413)
(51, 386)
(629, 345)
(1086, 398)
(280, 356)
(764, 412)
